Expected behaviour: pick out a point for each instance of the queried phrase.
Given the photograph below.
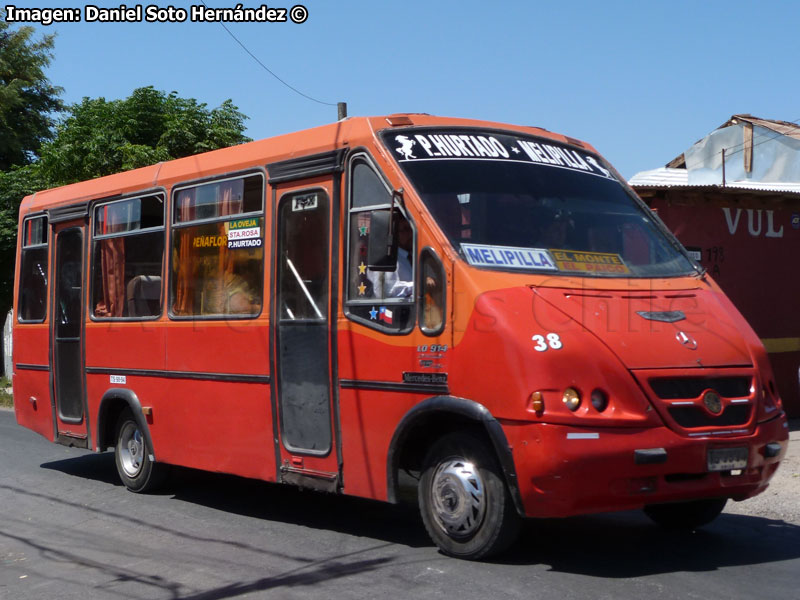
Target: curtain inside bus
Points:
(191, 268)
(112, 258)
(184, 269)
(228, 206)
(217, 285)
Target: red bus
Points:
(483, 310)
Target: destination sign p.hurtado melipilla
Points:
(476, 145)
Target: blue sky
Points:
(641, 81)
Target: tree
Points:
(27, 98)
(28, 102)
(101, 137)
(98, 137)
(15, 184)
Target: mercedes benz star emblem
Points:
(687, 340)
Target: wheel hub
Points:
(458, 498)
(132, 450)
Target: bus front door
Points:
(67, 336)
(301, 314)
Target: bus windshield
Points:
(521, 203)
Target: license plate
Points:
(727, 459)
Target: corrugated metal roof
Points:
(786, 128)
(665, 177)
(661, 177)
(783, 127)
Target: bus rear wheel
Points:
(465, 504)
(686, 515)
(136, 468)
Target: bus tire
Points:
(686, 516)
(132, 455)
(464, 502)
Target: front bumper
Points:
(564, 471)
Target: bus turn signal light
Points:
(537, 402)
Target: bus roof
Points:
(353, 131)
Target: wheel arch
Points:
(431, 419)
(112, 404)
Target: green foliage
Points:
(15, 184)
(98, 137)
(28, 102)
(27, 98)
(102, 137)
(6, 399)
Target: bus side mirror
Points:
(382, 245)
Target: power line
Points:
(267, 69)
(740, 147)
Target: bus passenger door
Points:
(67, 335)
(302, 342)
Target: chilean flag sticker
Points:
(385, 315)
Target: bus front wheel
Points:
(465, 504)
(136, 468)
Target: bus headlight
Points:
(599, 400)
(571, 398)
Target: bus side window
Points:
(433, 300)
(383, 300)
(128, 258)
(33, 276)
(218, 249)
(303, 250)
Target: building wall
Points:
(750, 245)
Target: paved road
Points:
(68, 529)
